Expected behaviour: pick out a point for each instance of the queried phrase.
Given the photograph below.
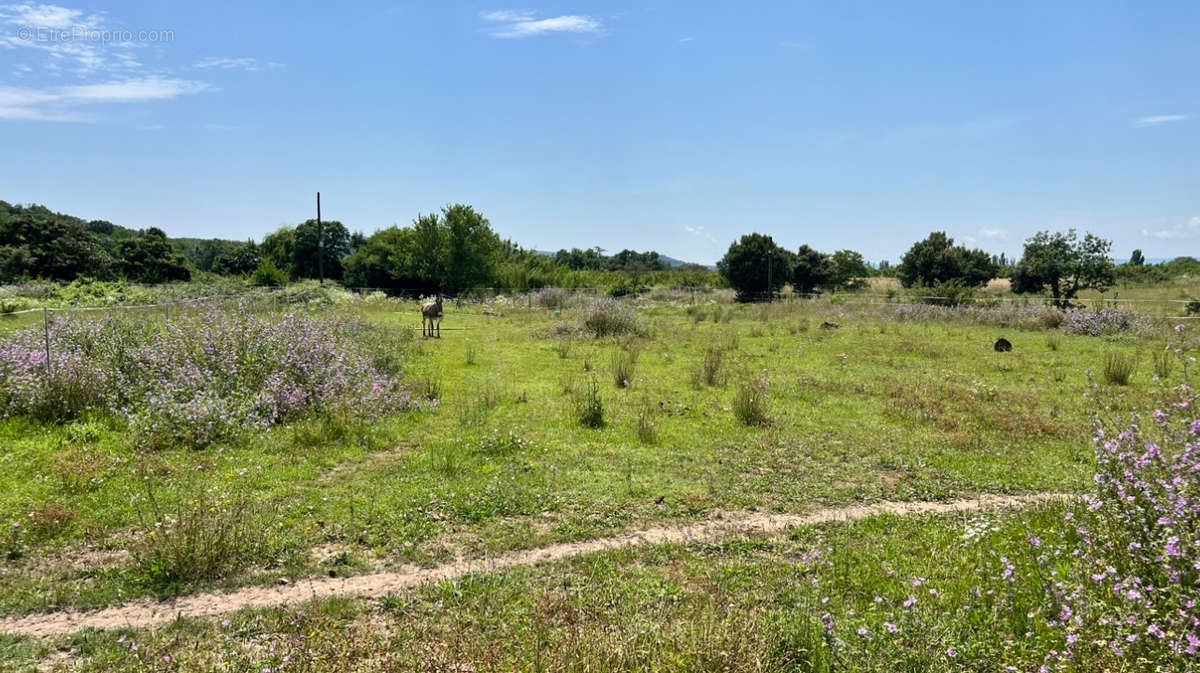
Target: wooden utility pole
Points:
(320, 243)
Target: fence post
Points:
(46, 327)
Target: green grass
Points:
(748, 604)
(867, 412)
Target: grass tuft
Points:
(589, 407)
(1119, 368)
(750, 404)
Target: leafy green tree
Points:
(389, 259)
(472, 248)
(1063, 265)
(308, 252)
(936, 261)
(279, 247)
(448, 252)
(812, 269)
(756, 267)
(150, 258)
(38, 243)
(237, 261)
(848, 270)
(1137, 258)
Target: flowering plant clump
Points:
(203, 376)
(1104, 322)
(1139, 541)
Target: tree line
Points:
(450, 251)
(456, 250)
(1058, 264)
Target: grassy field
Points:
(544, 432)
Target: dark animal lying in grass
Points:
(1003, 345)
(829, 325)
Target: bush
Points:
(1105, 322)
(949, 293)
(553, 297)
(268, 275)
(1130, 591)
(610, 318)
(202, 376)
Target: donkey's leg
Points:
(439, 327)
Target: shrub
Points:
(750, 404)
(1119, 368)
(1130, 591)
(949, 293)
(553, 297)
(589, 407)
(610, 318)
(268, 275)
(1104, 322)
(200, 377)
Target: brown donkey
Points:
(432, 312)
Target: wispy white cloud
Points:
(243, 63)
(68, 103)
(699, 232)
(74, 60)
(510, 24)
(687, 39)
(69, 40)
(1155, 120)
(1190, 229)
(993, 234)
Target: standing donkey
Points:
(432, 312)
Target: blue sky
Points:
(675, 126)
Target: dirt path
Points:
(146, 614)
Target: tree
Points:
(150, 258)
(447, 252)
(279, 247)
(38, 243)
(936, 261)
(812, 270)
(1137, 258)
(756, 267)
(849, 270)
(1064, 265)
(307, 254)
(237, 261)
(472, 248)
